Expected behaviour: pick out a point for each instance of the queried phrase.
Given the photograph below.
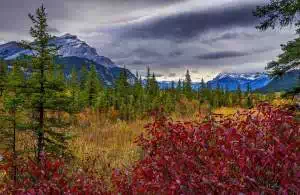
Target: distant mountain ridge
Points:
(284, 83)
(232, 81)
(72, 52)
(260, 82)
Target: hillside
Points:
(285, 83)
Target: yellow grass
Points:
(226, 111)
(103, 145)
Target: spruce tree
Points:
(239, 94)
(11, 121)
(178, 89)
(187, 87)
(93, 86)
(74, 88)
(148, 79)
(46, 92)
(281, 13)
(3, 76)
(84, 74)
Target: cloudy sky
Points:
(170, 36)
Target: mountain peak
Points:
(69, 46)
(68, 36)
(232, 80)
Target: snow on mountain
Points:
(233, 80)
(69, 46)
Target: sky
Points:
(169, 36)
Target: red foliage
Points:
(252, 152)
(52, 177)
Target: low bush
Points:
(257, 151)
(49, 177)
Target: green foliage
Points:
(3, 76)
(278, 12)
(281, 13)
(45, 89)
(187, 86)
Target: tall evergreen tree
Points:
(187, 87)
(74, 87)
(281, 13)
(239, 94)
(179, 87)
(46, 94)
(148, 79)
(3, 76)
(14, 100)
(84, 74)
(93, 86)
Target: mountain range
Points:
(260, 82)
(232, 81)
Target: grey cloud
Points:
(53, 30)
(175, 53)
(145, 53)
(221, 55)
(188, 25)
(231, 36)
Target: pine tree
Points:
(239, 94)
(3, 76)
(93, 86)
(84, 74)
(281, 13)
(46, 94)
(178, 90)
(122, 93)
(172, 86)
(74, 87)
(187, 87)
(14, 100)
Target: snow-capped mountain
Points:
(69, 46)
(231, 81)
(72, 52)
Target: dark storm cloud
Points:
(136, 62)
(120, 2)
(230, 36)
(221, 55)
(145, 53)
(175, 53)
(188, 25)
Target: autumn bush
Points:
(257, 151)
(49, 177)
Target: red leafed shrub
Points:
(52, 177)
(252, 152)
